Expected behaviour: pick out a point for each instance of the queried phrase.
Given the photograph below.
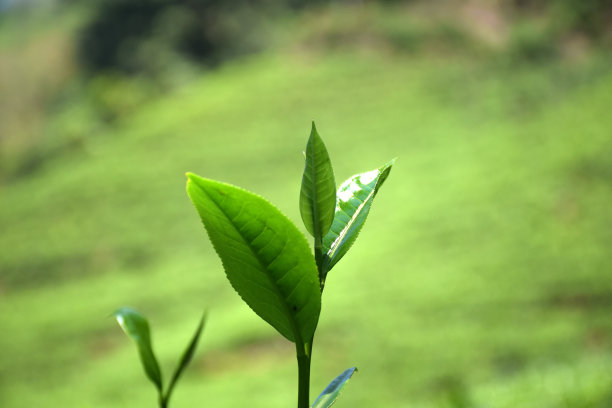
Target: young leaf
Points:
(318, 193)
(266, 259)
(332, 391)
(353, 202)
(136, 326)
(186, 358)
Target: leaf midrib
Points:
(316, 222)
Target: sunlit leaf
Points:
(332, 391)
(318, 192)
(353, 202)
(266, 259)
(136, 326)
(186, 357)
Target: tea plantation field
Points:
(481, 279)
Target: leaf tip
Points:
(204, 317)
(313, 129)
(122, 311)
(192, 179)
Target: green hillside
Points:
(481, 280)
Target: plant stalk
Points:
(304, 358)
(318, 253)
(304, 351)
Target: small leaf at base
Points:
(332, 391)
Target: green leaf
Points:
(186, 358)
(318, 193)
(332, 391)
(266, 259)
(353, 202)
(136, 326)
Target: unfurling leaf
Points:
(266, 259)
(332, 391)
(136, 327)
(353, 202)
(318, 192)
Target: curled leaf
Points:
(353, 202)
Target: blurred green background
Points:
(482, 278)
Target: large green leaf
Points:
(266, 259)
(332, 391)
(136, 326)
(318, 193)
(353, 202)
(185, 358)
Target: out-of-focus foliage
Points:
(136, 326)
(144, 36)
(148, 36)
(589, 17)
(104, 59)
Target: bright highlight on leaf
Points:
(332, 391)
(136, 327)
(353, 202)
(266, 259)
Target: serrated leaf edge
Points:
(192, 179)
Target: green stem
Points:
(303, 358)
(163, 402)
(318, 253)
(304, 351)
